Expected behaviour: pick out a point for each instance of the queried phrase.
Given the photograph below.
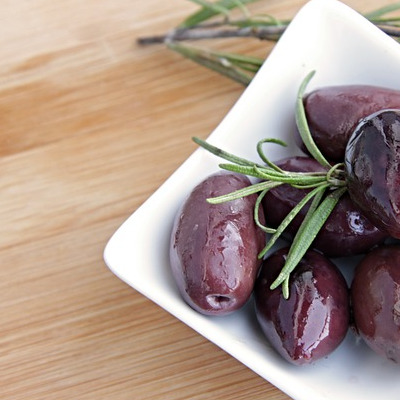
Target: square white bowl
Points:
(343, 48)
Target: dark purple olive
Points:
(333, 112)
(375, 293)
(346, 232)
(315, 319)
(373, 169)
(214, 248)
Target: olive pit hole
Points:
(219, 301)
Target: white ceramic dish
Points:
(343, 48)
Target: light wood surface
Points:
(90, 125)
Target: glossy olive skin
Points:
(333, 112)
(315, 319)
(346, 231)
(375, 294)
(372, 165)
(214, 248)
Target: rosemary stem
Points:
(180, 34)
(272, 33)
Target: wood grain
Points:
(91, 125)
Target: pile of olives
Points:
(215, 248)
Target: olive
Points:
(346, 232)
(333, 112)
(214, 247)
(372, 164)
(375, 294)
(315, 319)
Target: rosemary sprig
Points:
(214, 20)
(326, 189)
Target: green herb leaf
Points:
(292, 178)
(214, 8)
(210, 10)
(212, 61)
(302, 125)
(260, 197)
(240, 193)
(222, 153)
(373, 15)
(290, 217)
(307, 235)
(264, 157)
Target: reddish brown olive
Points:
(214, 247)
(372, 165)
(333, 113)
(375, 294)
(314, 320)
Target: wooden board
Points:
(90, 125)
